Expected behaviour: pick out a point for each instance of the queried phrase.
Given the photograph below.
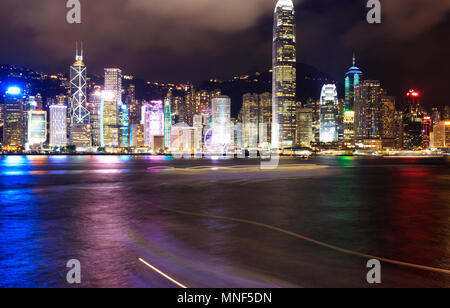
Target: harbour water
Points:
(213, 223)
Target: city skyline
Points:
(317, 24)
(279, 176)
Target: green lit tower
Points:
(353, 78)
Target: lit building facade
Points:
(413, 121)
(36, 128)
(94, 107)
(442, 135)
(426, 131)
(284, 84)
(80, 129)
(221, 121)
(58, 125)
(314, 105)
(367, 111)
(198, 133)
(13, 118)
(124, 126)
(153, 120)
(137, 136)
(305, 134)
(349, 129)
(167, 121)
(329, 114)
(353, 78)
(265, 120)
(389, 126)
(250, 120)
(109, 128)
(113, 83)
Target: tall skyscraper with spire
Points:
(284, 81)
(80, 128)
(353, 79)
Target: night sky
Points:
(194, 40)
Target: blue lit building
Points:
(124, 126)
(353, 78)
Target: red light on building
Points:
(413, 93)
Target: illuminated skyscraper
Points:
(413, 121)
(198, 133)
(368, 111)
(265, 119)
(221, 122)
(58, 126)
(329, 114)
(80, 130)
(153, 119)
(94, 107)
(167, 120)
(124, 126)
(304, 134)
(113, 83)
(109, 129)
(389, 126)
(13, 118)
(250, 120)
(133, 104)
(284, 75)
(353, 78)
(426, 132)
(137, 136)
(314, 105)
(442, 135)
(37, 128)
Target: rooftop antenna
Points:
(354, 59)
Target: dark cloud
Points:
(179, 40)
